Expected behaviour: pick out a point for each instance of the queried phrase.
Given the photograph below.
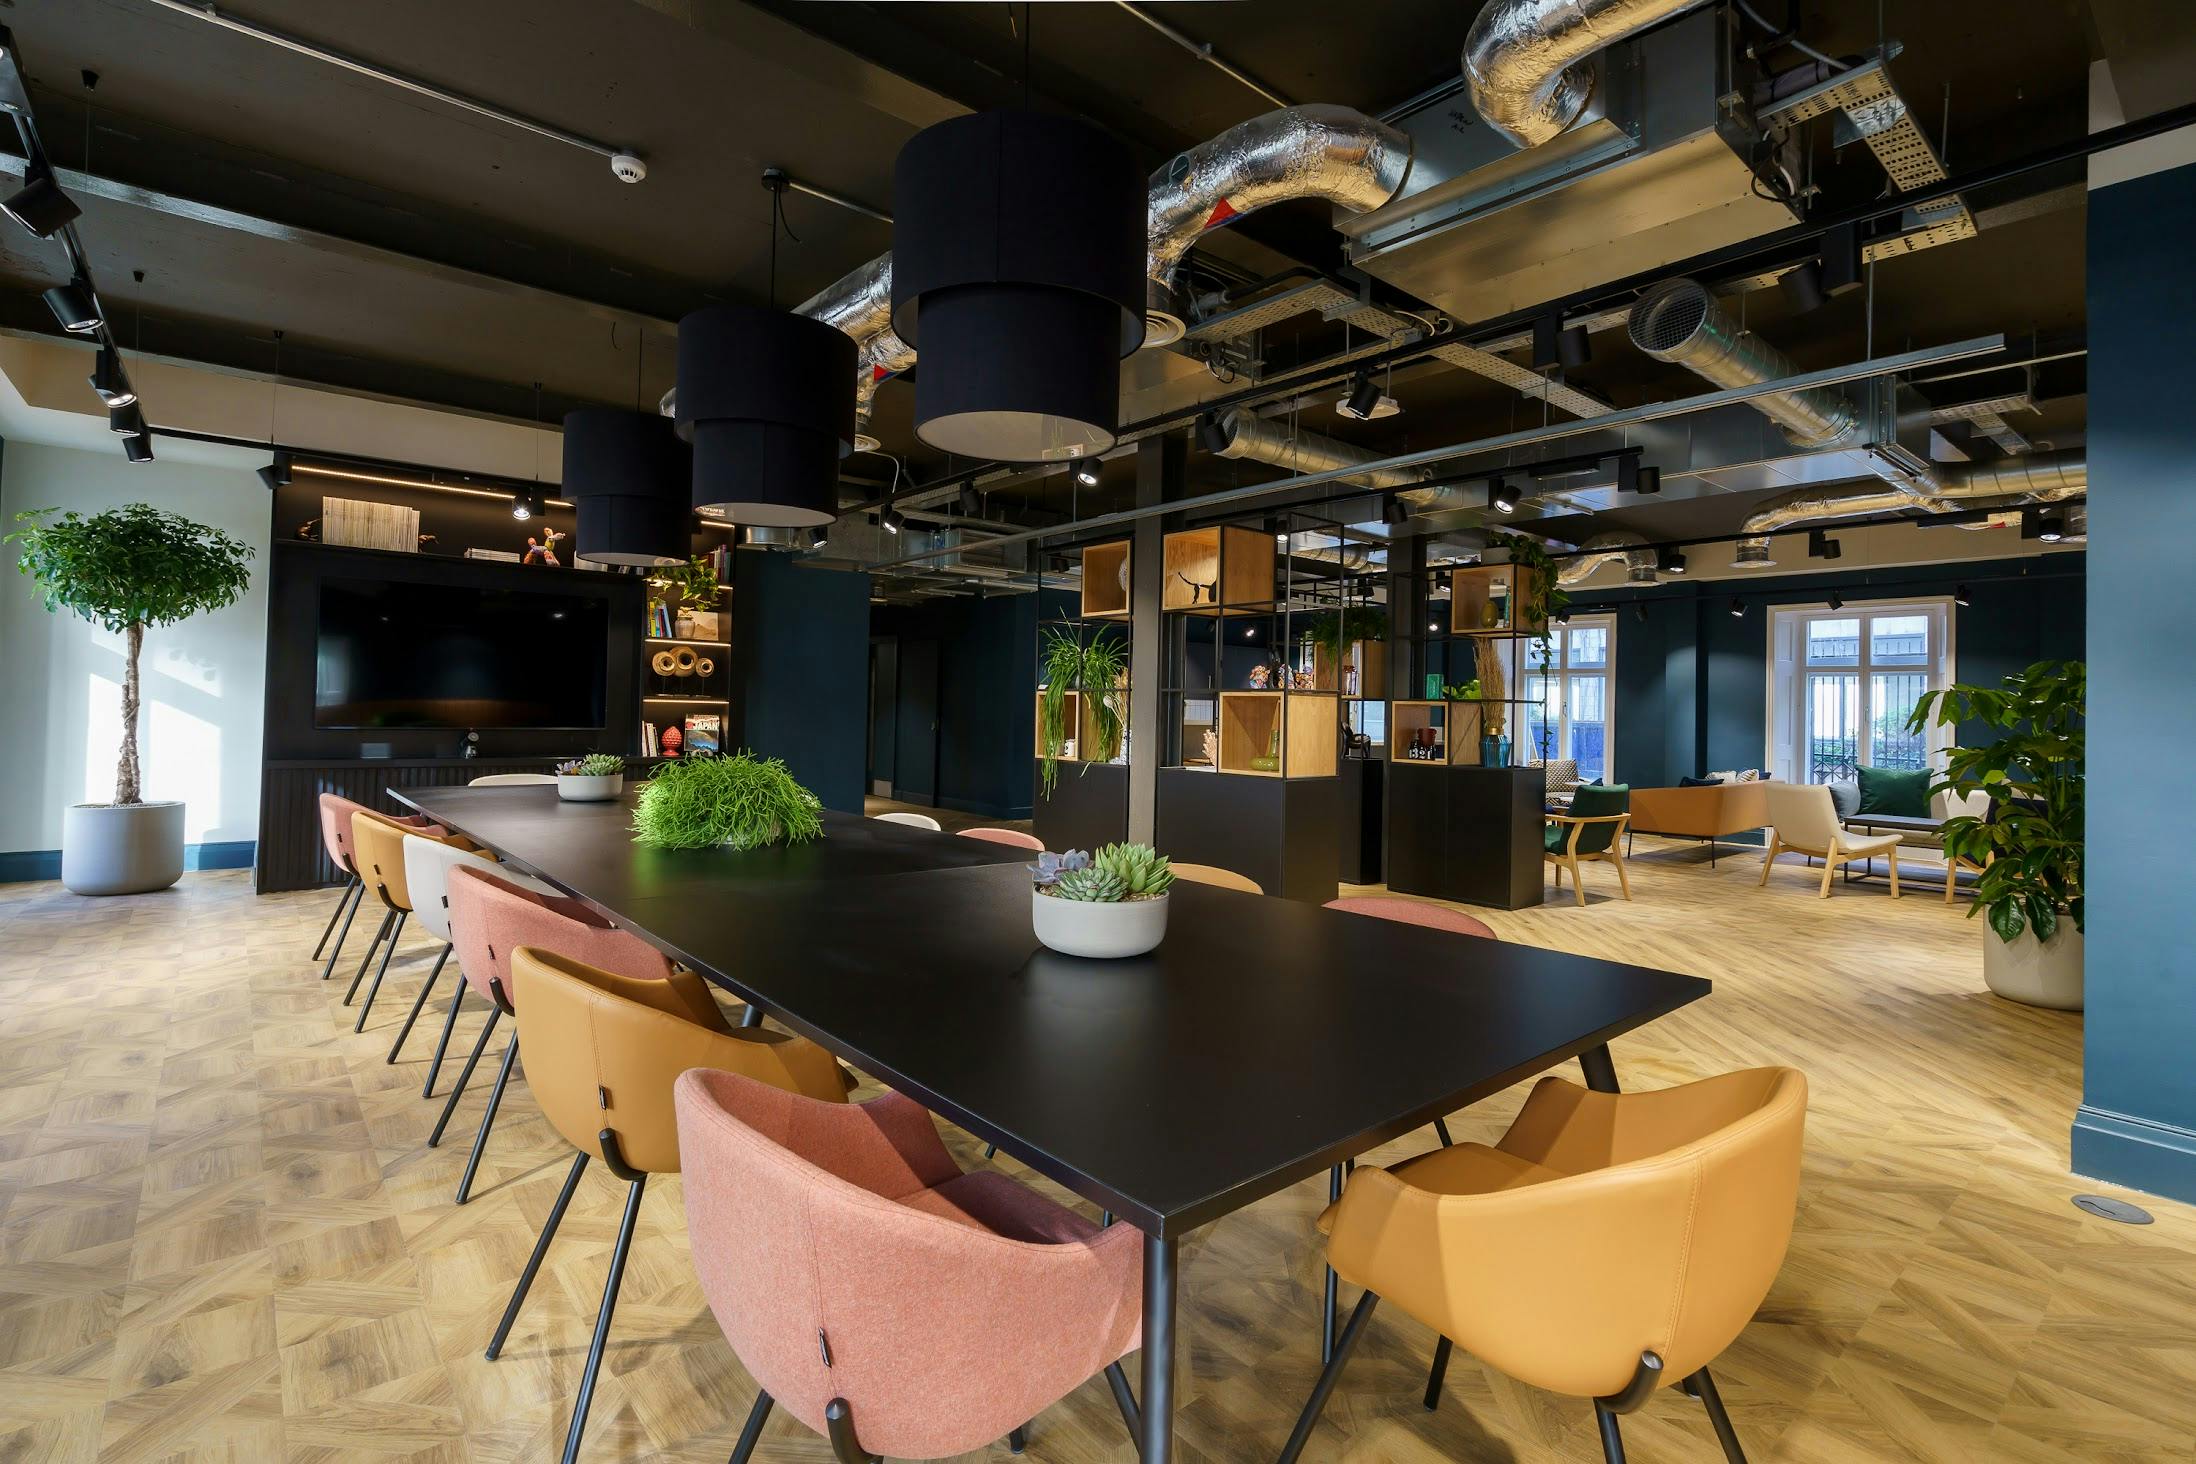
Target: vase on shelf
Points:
(1494, 752)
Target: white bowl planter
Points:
(2041, 973)
(1091, 928)
(589, 787)
(121, 849)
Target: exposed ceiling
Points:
(408, 248)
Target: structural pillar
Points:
(1161, 465)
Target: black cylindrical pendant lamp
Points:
(1018, 275)
(627, 474)
(767, 400)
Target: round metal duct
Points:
(767, 400)
(626, 473)
(1018, 274)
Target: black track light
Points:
(1211, 436)
(1843, 264)
(1639, 611)
(1670, 561)
(819, 535)
(1837, 601)
(1396, 513)
(1738, 608)
(39, 205)
(1086, 472)
(1628, 473)
(126, 421)
(971, 502)
(522, 506)
(73, 307)
(277, 473)
(1960, 597)
(1363, 398)
(2050, 527)
(1802, 287)
(1554, 346)
(1650, 482)
(1502, 495)
(110, 380)
(1821, 546)
(892, 520)
(138, 449)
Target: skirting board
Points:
(2119, 1148)
(21, 866)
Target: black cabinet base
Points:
(1468, 834)
(1281, 832)
(1089, 806)
(1363, 810)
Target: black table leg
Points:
(1327, 1304)
(1158, 1400)
(1600, 1069)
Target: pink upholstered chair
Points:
(335, 838)
(869, 1285)
(1015, 837)
(1414, 912)
(489, 919)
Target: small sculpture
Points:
(544, 552)
(669, 739)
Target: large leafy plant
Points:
(126, 569)
(742, 800)
(1331, 630)
(2031, 843)
(695, 580)
(1064, 664)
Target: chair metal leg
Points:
(602, 1319)
(465, 1075)
(357, 896)
(845, 1447)
(1327, 1376)
(1018, 1440)
(1441, 1132)
(388, 918)
(752, 1429)
(343, 902)
(1612, 1437)
(387, 951)
(533, 1264)
(449, 1025)
(1703, 1387)
(1124, 1400)
(487, 1119)
(990, 1150)
(1326, 1311)
(1434, 1377)
(419, 1002)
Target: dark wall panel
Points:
(800, 651)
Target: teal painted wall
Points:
(800, 671)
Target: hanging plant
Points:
(1547, 600)
(1331, 630)
(1104, 661)
(1059, 667)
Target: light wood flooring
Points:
(222, 1236)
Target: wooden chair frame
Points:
(1570, 857)
(1832, 858)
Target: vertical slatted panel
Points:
(290, 854)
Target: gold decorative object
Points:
(665, 663)
(683, 661)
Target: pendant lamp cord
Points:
(775, 181)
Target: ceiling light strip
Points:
(423, 483)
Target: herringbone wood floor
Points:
(222, 1236)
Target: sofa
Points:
(1710, 811)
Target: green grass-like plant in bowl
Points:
(741, 801)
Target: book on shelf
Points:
(648, 740)
(703, 732)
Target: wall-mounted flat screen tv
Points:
(421, 655)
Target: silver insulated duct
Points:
(2042, 477)
(1639, 561)
(1679, 321)
(1253, 437)
(1523, 58)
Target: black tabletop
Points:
(1262, 1041)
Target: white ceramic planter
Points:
(128, 849)
(1088, 928)
(2040, 973)
(589, 788)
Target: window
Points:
(1569, 704)
(1846, 681)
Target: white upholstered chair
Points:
(512, 780)
(912, 820)
(427, 866)
(1804, 820)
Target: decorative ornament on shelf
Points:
(664, 663)
(739, 802)
(544, 552)
(1106, 905)
(671, 739)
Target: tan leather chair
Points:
(1803, 819)
(602, 1052)
(1609, 1244)
(377, 853)
(1213, 874)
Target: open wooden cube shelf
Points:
(1494, 599)
(1458, 727)
(1216, 571)
(1279, 734)
(1361, 671)
(1106, 581)
(1079, 716)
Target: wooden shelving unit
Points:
(1106, 581)
(1222, 570)
(1457, 728)
(1361, 672)
(1489, 599)
(1079, 714)
(1279, 734)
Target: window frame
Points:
(1790, 675)
(1562, 675)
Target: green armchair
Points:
(1592, 830)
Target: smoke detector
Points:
(628, 168)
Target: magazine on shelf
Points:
(703, 731)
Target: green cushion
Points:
(1899, 793)
(1593, 800)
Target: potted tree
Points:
(127, 569)
(2029, 843)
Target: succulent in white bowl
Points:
(1106, 905)
(595, 778)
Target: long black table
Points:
(1264, 1041)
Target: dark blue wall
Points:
(800, 669)
(2137, 1124)
(987, 693)
(1693, 681)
